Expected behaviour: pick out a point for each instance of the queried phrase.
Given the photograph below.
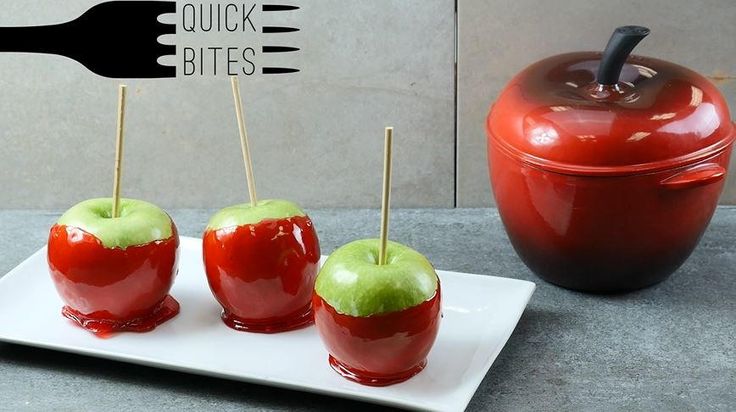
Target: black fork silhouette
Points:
(114, 39)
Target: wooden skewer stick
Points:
(118, 151)
(244, 140)
(386, 200)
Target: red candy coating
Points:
(379, 350)
(263, 274)
(112, 289)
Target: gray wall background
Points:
(317, 136)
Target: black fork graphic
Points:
(278, 29)
(115, 39)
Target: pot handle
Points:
(700, 175)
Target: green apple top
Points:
(353, 282)
(139, 222)
(247, 214)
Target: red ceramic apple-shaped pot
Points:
(606, 168)
(261, 262)
(115, 274)
(378, 322)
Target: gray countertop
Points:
(668, 347)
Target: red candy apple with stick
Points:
(261, 257)
(113, 261)
(377, 305)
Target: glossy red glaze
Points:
(263, 274)
(699, 175)
(660, 116)
(112, 289)
(104, 327)
(379, 350)
(607, 189)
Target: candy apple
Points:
(378, 322)
(114, 274)
(261, 262)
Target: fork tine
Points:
(165, 49)
(165, 28)
(162, 71)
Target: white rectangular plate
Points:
(480, 313)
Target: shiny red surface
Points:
(601, 234)
(112, 289)
(607, 189)
(263, 274)
(699, 175)
(104, 327)
(660, 116)
(382, 349)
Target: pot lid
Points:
(610, 113)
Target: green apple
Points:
(354, 284)
(247, 214)
(139, 222)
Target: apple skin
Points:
(377, 340)
(261, 269)
(109, 289)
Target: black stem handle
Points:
(622, 42)
(33, 39)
